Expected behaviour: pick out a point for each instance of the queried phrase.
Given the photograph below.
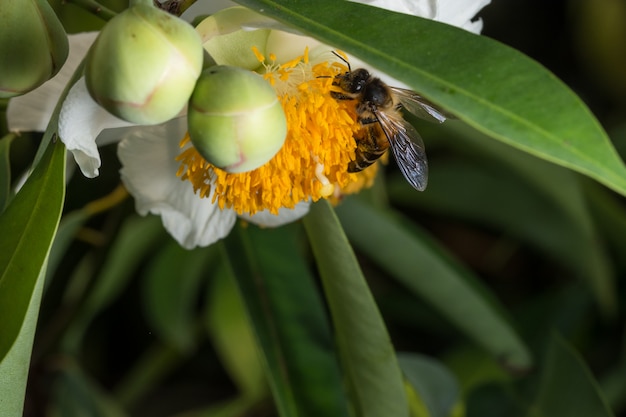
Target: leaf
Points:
(28, 226)
(288, 320)
(365, 349)
(5, 170)
(568, 387)
(488, 85)
(433, 382)
(233, 337)
(14, 367)
(413, 259)
(564, 194)
(486, 194)
(170, 294)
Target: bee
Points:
(379, 113)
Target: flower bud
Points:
(33, 45)
(144, 64)
(236, 122)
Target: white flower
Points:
(149, 153)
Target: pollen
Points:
(313, 161)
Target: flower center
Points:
(313, 161)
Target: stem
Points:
(95, 8)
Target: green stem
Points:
(95, 8)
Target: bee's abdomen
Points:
(371, 144)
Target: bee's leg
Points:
(337, 95)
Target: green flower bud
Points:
(33, 45)
(144, 64)
(236, 122)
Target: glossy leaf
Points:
(28, 226)
(288, 320)
(14, 368)
(366, 352)
(488, 85)
(171, 288)
(423, 268)
(568, 387)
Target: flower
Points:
(199, 203)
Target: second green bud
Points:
(236, 121)
(144, 65)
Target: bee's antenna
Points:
(343, 59)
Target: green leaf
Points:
(434, 383)
(28, 226)
(482, 193)
(365, 349)
(171, 287)
(15, 365)
(568, 387)
(288, 319)
(412, 258)
(233, 337)
(488, 85)
(513, 185)
(5, 170)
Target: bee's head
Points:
(353, 81)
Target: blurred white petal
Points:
(421, 8)
(266, 219)
(149, 172)
(80, 122)
(32, 111)
(201, 8)
(461, 13)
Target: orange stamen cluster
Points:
(313, 161)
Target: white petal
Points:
(32, 111)
(149, 173)
(266, 219)
(80, 122)
(287, 46)
(421, 8)
(201, 8)
(461, 13)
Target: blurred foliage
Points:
(502, 284)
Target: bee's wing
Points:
(419, 106)
(407, 147)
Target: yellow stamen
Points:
(312, 164)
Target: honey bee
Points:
(383, 127)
